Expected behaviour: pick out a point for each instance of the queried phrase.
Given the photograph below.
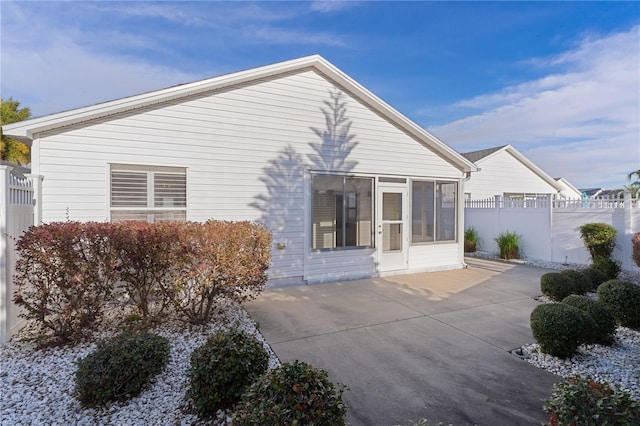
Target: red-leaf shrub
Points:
(148, 264)
(636, 248)
(225, 260)
(67, 273)
(64, 275)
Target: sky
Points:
(560, 81)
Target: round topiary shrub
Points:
(609, 267)
(582, 282)
(293, 394)
(120, 367)
(605, 329)
(596, 277)
(559, 329)
(556, 286)
(222, 369)
(623, 298)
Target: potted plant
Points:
(471, 239)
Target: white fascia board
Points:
(28, 128)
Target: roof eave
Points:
(27, 130)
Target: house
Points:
(349, 186)
(568, 190)
(593, 192)
(505, 171)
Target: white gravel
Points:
(36, 386)
(619, 364)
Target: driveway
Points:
(431, 345)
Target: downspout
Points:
(467, 176)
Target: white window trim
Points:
(435, 215)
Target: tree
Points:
(634, 187)
(10, 149)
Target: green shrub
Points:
(605, 329)
(293, 394)
(599, 238)
(120, 367)
(581, 281)
(635, 243)
(583, 401)
(559, 329)
(223, 368)
(471, 239)
(609, 267)
(595, 276)
(223, 260)
(509, 244)
(623, 298)
(556, 285)
(64, 277)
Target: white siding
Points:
(503, 173)
(431, 257)
(247, 152)
(568, 190)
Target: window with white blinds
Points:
(148, 193)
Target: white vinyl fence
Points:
(16, 215)
(549, 228)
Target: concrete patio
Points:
(430, 345)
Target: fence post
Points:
(4, 252)
(36, 181)
(627, 232)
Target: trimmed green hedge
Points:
(559, 328)
(623, 298)
(605, 330)
(120, 367)
(557, 286)
(581, 281)
(223, 368)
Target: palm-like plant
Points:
(10, 149)
(634, 187)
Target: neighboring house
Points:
(349, 186)
(593, 192)
(505, 171)
(568, 190)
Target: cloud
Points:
(331, 5)
(580, 121)
(66, 76)
(274, 35)
(93, 52)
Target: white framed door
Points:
(392, 218)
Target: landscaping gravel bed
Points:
(37, 384)
(618, 364)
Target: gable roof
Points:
(27, 130)
(474, 156)
(564, 182)
(484, 154)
